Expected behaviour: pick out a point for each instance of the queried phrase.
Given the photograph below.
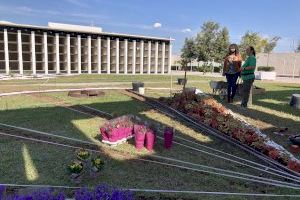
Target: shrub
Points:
(217, 69)
(266, 68)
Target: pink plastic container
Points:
(139, 137)
(150, 140)
(168, 137)
(103, 134)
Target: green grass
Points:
(45, 164)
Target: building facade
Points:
(72, 49)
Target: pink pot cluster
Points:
(117, 130)
(144, 137)
(120, 129)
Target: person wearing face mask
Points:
(247, 74)
(231, 69)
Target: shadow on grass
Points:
(281, 100)
(50, 161)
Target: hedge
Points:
(266, 68)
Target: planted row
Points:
(208, 111)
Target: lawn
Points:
(46, 164)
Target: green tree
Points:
(252, 39)
(188, 54)
(271, 44)
(221, 45)
(212, 42)
(188, 51)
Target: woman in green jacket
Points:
(247, 74)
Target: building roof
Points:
(80, 29)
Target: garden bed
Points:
(210, 112)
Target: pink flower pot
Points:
(117, 134)
(150, 140)
(168, 137)
(128, 131)
(103, 134)
(139, 138)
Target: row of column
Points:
(45, 52)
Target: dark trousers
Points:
(232, 86)
(247, 84)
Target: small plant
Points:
(83, 154)
(97, 164)
(75, 167)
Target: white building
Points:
(72, 49)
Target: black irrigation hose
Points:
(209, 130)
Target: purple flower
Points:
(83, 194)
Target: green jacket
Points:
(249, 74)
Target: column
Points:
(20, 52)
(79, 53)
(89, 55)
(117, 55)
(149, 57)
(125, 56)
(6, 53)
(33, 58)
(163, 58)
(68, 54)
(170, 57)
(57, 53)
(133, 57)
(108, 55)
(45, 47)
(99, 54)
(156, 57)
(142, 57)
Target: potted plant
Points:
(150, 138)
(117, 130)
(265, 73)
(168, 137)
(97, 164)
(140, 131)
(137, 85)
(83, 155)
(75, 169)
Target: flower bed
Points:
(118, 130)
(102, 192)
(210, 112)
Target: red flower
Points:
(274, 154)
(294, 165)
(214, 123)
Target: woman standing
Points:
(248, 76)
(231, 69)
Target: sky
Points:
(177, 19)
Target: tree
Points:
(212, 42)
(188, 54)
(188, 51)
(252, 39)
(221, 45)
(271, 44)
